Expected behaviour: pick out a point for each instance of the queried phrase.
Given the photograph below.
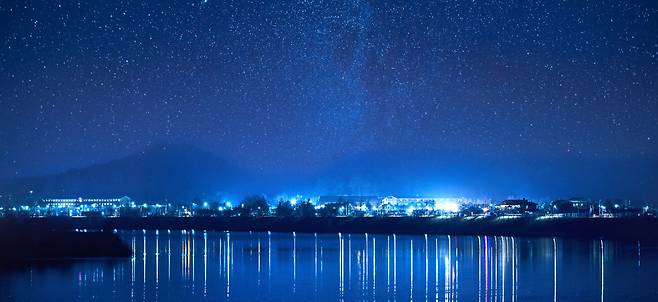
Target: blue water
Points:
(214, 266)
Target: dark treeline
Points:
(257, 205)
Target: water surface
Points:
(223, 266)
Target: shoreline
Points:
(640, 228)
(24, 242)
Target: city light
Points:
(446, 207)
(410, 210)
(352, 206)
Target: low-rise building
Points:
(83, 206)
(574, 207)
(516, 206)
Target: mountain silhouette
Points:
(170, 173)
(178, 173)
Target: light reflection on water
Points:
(345, 267)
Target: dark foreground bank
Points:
(26, 241)
(641, 228)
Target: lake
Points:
(223, 266)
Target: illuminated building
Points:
(516, 206)
(573, 207)
(420, 206)
(75, 202)
(84, 206)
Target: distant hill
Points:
(158, 173)
(181, 173)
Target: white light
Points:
(410, 210)
(293, 201)
(447, 207)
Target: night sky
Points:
(301, 88)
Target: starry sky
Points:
(301, 87)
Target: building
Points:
(75, 202)
(574, 207)
(620, 210)
(516, 206)
(420, 206)
(84, 206)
